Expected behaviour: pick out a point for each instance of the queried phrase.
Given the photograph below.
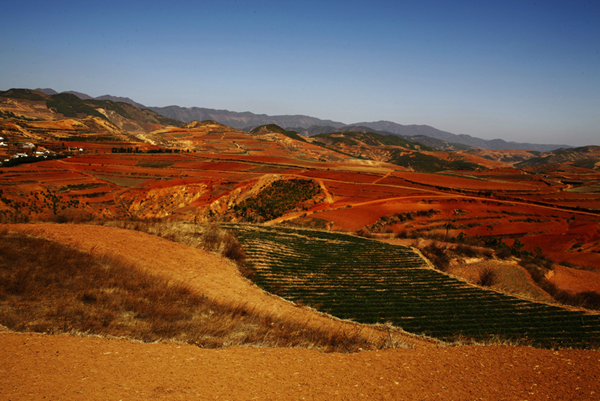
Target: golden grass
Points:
(52, 288)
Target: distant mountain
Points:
(122, 100)
(84, 96)
(423, 139)
(310, 126)
(245, 120)
(80, 95)
(426, 130)
(47, 91)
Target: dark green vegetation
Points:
(22, 94)
(29, 159)
(373, 282)
(277, 199)
(52, 288)
(70, 105)
(370, 139)
(430, 164)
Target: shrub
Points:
(212, 237)
(467, 250)
(503, 252)
(402, 234)
(364, 232)
(232, 249)
(437, 255)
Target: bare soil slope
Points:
(36, 366)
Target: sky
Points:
(523, 71)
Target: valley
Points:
(95, 174)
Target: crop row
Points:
(374, 282)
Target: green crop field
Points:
(373, 282)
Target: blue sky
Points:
(525, 71)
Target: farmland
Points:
(374, 282)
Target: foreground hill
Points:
(94, 367)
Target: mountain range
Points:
(309, 126)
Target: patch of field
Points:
(373, 282)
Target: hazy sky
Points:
(525, 71)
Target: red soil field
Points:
(448, 181)
(373, 193)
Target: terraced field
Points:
(373, 282)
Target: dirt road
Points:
(36, 367)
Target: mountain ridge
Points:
(302, 124)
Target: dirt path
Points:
(36, 367)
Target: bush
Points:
(364, 232)
(212, 237)
(437, 255)
(232, 249)
(503, 252)
(403, 234)
(467, 250)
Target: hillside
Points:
(25, 104)
(584, 157)
(494, 144)
(238, 120)
(392, 149)
(308, 126)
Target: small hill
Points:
(32, 115)
(212, 137)
(395, 150)
(584, 157)
(273, 128)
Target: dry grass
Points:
(209, 237)
(437, 254)
(51, 288)
(487, 277)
